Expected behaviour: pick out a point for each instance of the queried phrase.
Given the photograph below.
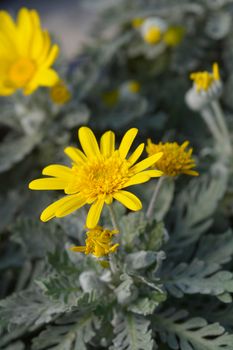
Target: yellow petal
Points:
(24, 31)
(136, 154)
(142, 177)
(49, 212)
(137, 179)
(70, 206)
(75, 154)
(51, 57)
(127, 141)
(80, 249)
(107, 143)
(88, 142)
(94, 213)
(48, 184)
(57, 170)
(191, 172)
(129, 200)
(146, 163)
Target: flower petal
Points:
(136, 154)
(94, 213)
(88, 142)
(75, 154)
(142, 177)
(128, 199)
(57, 170)
(48, 184)
(127, 141)
(79, 249)
(67, 208)
(49, 212)
(107, 143)
(146, 163)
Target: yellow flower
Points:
(153, 35)
(137, 22)
(26, 53)
(110, 98)
(134, 86)
(203, 81)
(173, 36)
(59, 93)
(176, 159)
(98, 242)
(97, 176)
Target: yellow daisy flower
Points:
(26, 53)
(173, 35)
(176, 159)
(203, 81)
(98, 242)
(59, 93)
(97, 176)
(137, 22)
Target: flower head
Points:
(98, 242)
(203, 81)
(173, 35)
(176, 159)
(152, 30)
(206, 88)
(137, 22)
(110, 98)
(97, 176)
(59, 93)
(129, 88)
(26, 53)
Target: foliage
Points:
(173, 284)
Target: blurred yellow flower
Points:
(98, 242)
(173, 35)
(137, 22)
(134, 86)
(203, 81)
(59, 93)
(97, 176)
(176, 159)
(110, 98)
(153, 35)
(26, 53)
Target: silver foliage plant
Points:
(174, 282)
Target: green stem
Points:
(212, 126)
(113, 218)
(220, 118)
(112, 258)
(157, 188)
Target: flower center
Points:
(100, 176)
(153, 35)
(21, 72)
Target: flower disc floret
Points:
(176, 158)
(26, 53)
(98, 175)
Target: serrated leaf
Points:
(70, 332)
(197, 277)
(181, 332)
(132, 333)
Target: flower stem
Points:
(112, 258)
(220, 118)
(113, 217)
(212, 126)
(151, 206)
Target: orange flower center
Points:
(21, 72)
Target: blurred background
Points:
(70, 20)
